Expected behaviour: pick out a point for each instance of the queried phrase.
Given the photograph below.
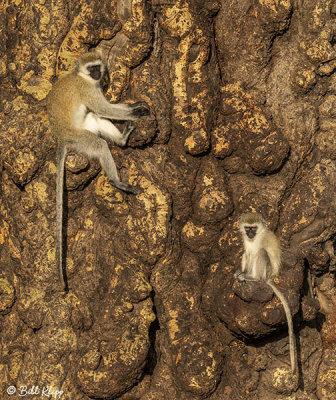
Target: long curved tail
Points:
(292, 347)
(61, 154)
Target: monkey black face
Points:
(140, 109)
(251, 231)
(95, 72)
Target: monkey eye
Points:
(251, 228)
(93, 68)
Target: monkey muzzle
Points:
(95, 72)
(251, 231)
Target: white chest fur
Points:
(252, 247)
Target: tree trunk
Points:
(241, 95)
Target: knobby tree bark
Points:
(242, 97)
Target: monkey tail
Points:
(289, 322)
(61, 154)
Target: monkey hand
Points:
(140, 109)
(240, 276)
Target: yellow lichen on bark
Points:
(152, 221)
(173, 325)
(7, 295)
(274, 5)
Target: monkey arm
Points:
(124, 112)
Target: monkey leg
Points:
(107, 129)
(95, 147)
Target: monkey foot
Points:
(127, 188)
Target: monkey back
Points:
(65, 109)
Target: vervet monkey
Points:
(261, 261)
(79, 116)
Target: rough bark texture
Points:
(243, 97)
